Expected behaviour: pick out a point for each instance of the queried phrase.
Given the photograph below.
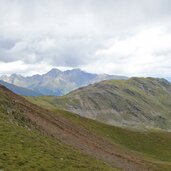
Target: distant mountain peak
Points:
(14, 75)
(54, 72)
(57, 82)
(76, 69)
(73, 70)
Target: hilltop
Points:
(135, 103)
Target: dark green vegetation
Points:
(22, 147)
(136, 103)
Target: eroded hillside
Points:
(136, 103)
(96, 140)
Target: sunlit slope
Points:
(135, 103)
(23, 147)
(153, 146)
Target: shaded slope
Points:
(22, 147)
(79, 136)
(19, 90)
(154, 146)
(137, 102)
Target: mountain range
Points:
(116, 124)
(135, 103)
(56, 82)
(169, 79)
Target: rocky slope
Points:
(137, 102)
(56, 82)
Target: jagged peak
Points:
(53, 72)
(16, 75)
(74, 70)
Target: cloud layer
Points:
(113, 36)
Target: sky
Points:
(120, 37)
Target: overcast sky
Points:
(126, 37)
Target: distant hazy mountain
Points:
(136, 102)
(19, 90)
(169, 79)
(56, 82)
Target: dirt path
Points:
(80, 137)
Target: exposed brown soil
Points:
(78, 136)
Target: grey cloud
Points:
(7, 43)
(69, 33)
(68, 52)
(74, 16)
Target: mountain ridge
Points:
(136, 103)
(56, 82)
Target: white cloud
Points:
(113, 36)
(148, 52)
(25, 69)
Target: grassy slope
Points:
(21, 149)
(154, 146)
(25, 149)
